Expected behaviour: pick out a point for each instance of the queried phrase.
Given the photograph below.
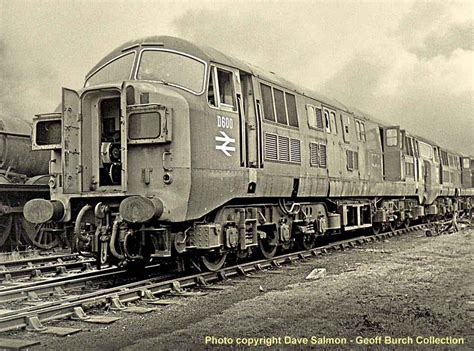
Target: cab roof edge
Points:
(153, 44)
(130, 47)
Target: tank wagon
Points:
(21, 179)
(174, 150)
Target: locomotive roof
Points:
(213, 55)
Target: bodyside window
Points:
(267, 102)
(291, 108)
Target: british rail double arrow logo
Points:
(226, 140)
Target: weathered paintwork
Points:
(208, 163)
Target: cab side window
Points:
(221, 91)
(226, 87)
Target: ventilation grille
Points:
(295, 151)
(322, 156)
(352, 160)
(271, 147)
(282, 148)
(314, 154)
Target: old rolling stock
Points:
(21, 179)
(176, 150)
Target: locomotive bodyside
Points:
(172, 149)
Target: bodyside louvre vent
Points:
(295, 151)
(322, 156)
(314, 154)
(350, 160)
(283, 149)
(271, 147)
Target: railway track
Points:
(37, 267)
(67, 297)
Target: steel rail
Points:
(56, 266)
(36, 260)
(150, 288)
(18, 292)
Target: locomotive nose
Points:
(41, 211)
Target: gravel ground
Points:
(410, 287)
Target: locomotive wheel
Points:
(406, 223)
(305, 242)
(267, 246)
(37, 235)
(376, 228)
(213, 261)
(392, 225)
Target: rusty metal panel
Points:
(71, 154)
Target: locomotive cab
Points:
(121, 146)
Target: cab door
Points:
(232, 98)
(253, 128)
(227, 117)
(71, 150)
(392, 153)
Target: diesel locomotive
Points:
(176, 151)
(23, 176)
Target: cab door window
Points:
(221, 91)
(392, 137)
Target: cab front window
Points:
(172, 68)
(118, 69)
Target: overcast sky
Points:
(405, 62)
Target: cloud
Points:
(356, 82)
(430, 29)
(456, 36)
(253, 38)
(25, 83)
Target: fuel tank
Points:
(16, 155)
